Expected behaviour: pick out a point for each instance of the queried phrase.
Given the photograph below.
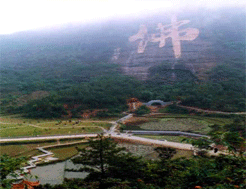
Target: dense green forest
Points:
(111, 92)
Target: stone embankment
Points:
(35, 159)
(173, 133)
(152, 142)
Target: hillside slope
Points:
(203, 46)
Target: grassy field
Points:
(18, 150)
(29, 149)
(31, 131)
(64, 153)
(20, 127)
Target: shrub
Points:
(142, 110)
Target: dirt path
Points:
(209, 111)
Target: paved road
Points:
(47, 137)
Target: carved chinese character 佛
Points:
(175, 34)
(143, 36)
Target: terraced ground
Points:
(197, 124)
(149, 153)
(17, 150)
(178, 124)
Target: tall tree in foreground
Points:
(8, 166)
(97, 157)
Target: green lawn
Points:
(29, 149)
(73, 123)
(32, 131)
(20, 127)
(66, 152)
(16, 126)
(22, 149)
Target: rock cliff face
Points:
(176, 45)
(195, 57)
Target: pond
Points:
(55, 173)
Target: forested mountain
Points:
(86, 64)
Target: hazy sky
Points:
(20, 15)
